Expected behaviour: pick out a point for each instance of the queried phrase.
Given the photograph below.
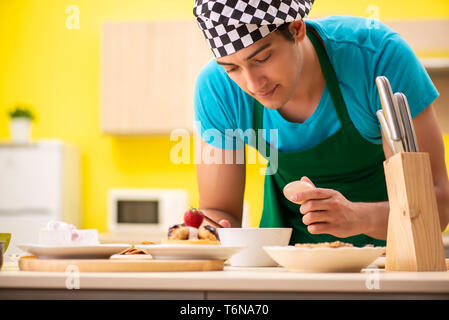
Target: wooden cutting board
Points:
(31, 263)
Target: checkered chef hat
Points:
(231, 25)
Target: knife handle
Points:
(388, 107)
(404, 111)
(385, 130)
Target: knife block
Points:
(414, 240)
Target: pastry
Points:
(132, 250)
(178, 232)
(207, 232)
(191, 231)
(132, 253)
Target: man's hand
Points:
(224, 223)
(328, 211)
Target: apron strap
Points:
(258, 116)
(330, 77)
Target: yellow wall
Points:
(57, 71)
(388, 9)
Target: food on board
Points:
(191, 231)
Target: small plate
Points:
(189, 251)
(101, 251)
(322, 259)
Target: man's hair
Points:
(285, 32)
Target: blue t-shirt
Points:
(359, 51)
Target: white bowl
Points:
(254, 239)
(323, 259)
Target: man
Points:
(314, 81)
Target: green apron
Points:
(345, 162)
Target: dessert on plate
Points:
(191, 231)
(131, 251)
(59, 233)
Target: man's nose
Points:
(255, 82)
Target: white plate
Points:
(322, 259)
(189, 251)
(100, 251)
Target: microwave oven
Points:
(146, 210)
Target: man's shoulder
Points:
(213, 82)
(212, 73)
(219, 103)
(365, 33)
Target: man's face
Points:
(268, 70)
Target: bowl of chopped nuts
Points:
(324, 257)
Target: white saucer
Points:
(101, 251)
(189, 251)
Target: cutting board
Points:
(31, 263)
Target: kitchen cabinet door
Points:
(148, 75)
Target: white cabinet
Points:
(39, 182)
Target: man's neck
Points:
(307, 95)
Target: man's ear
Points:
(298, 30)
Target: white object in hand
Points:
(294, 187)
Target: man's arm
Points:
(221, 187)
(342, 218)
(430, 140)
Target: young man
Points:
(313, 81)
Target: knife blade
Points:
(390, 111)
(407, 121)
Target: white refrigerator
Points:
(39, 182)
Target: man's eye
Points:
(231, 70)
(265, 59)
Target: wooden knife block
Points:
(414, 240)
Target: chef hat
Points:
(231, 25)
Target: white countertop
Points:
(233, 279)
(231, 283)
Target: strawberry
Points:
(193, 218)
